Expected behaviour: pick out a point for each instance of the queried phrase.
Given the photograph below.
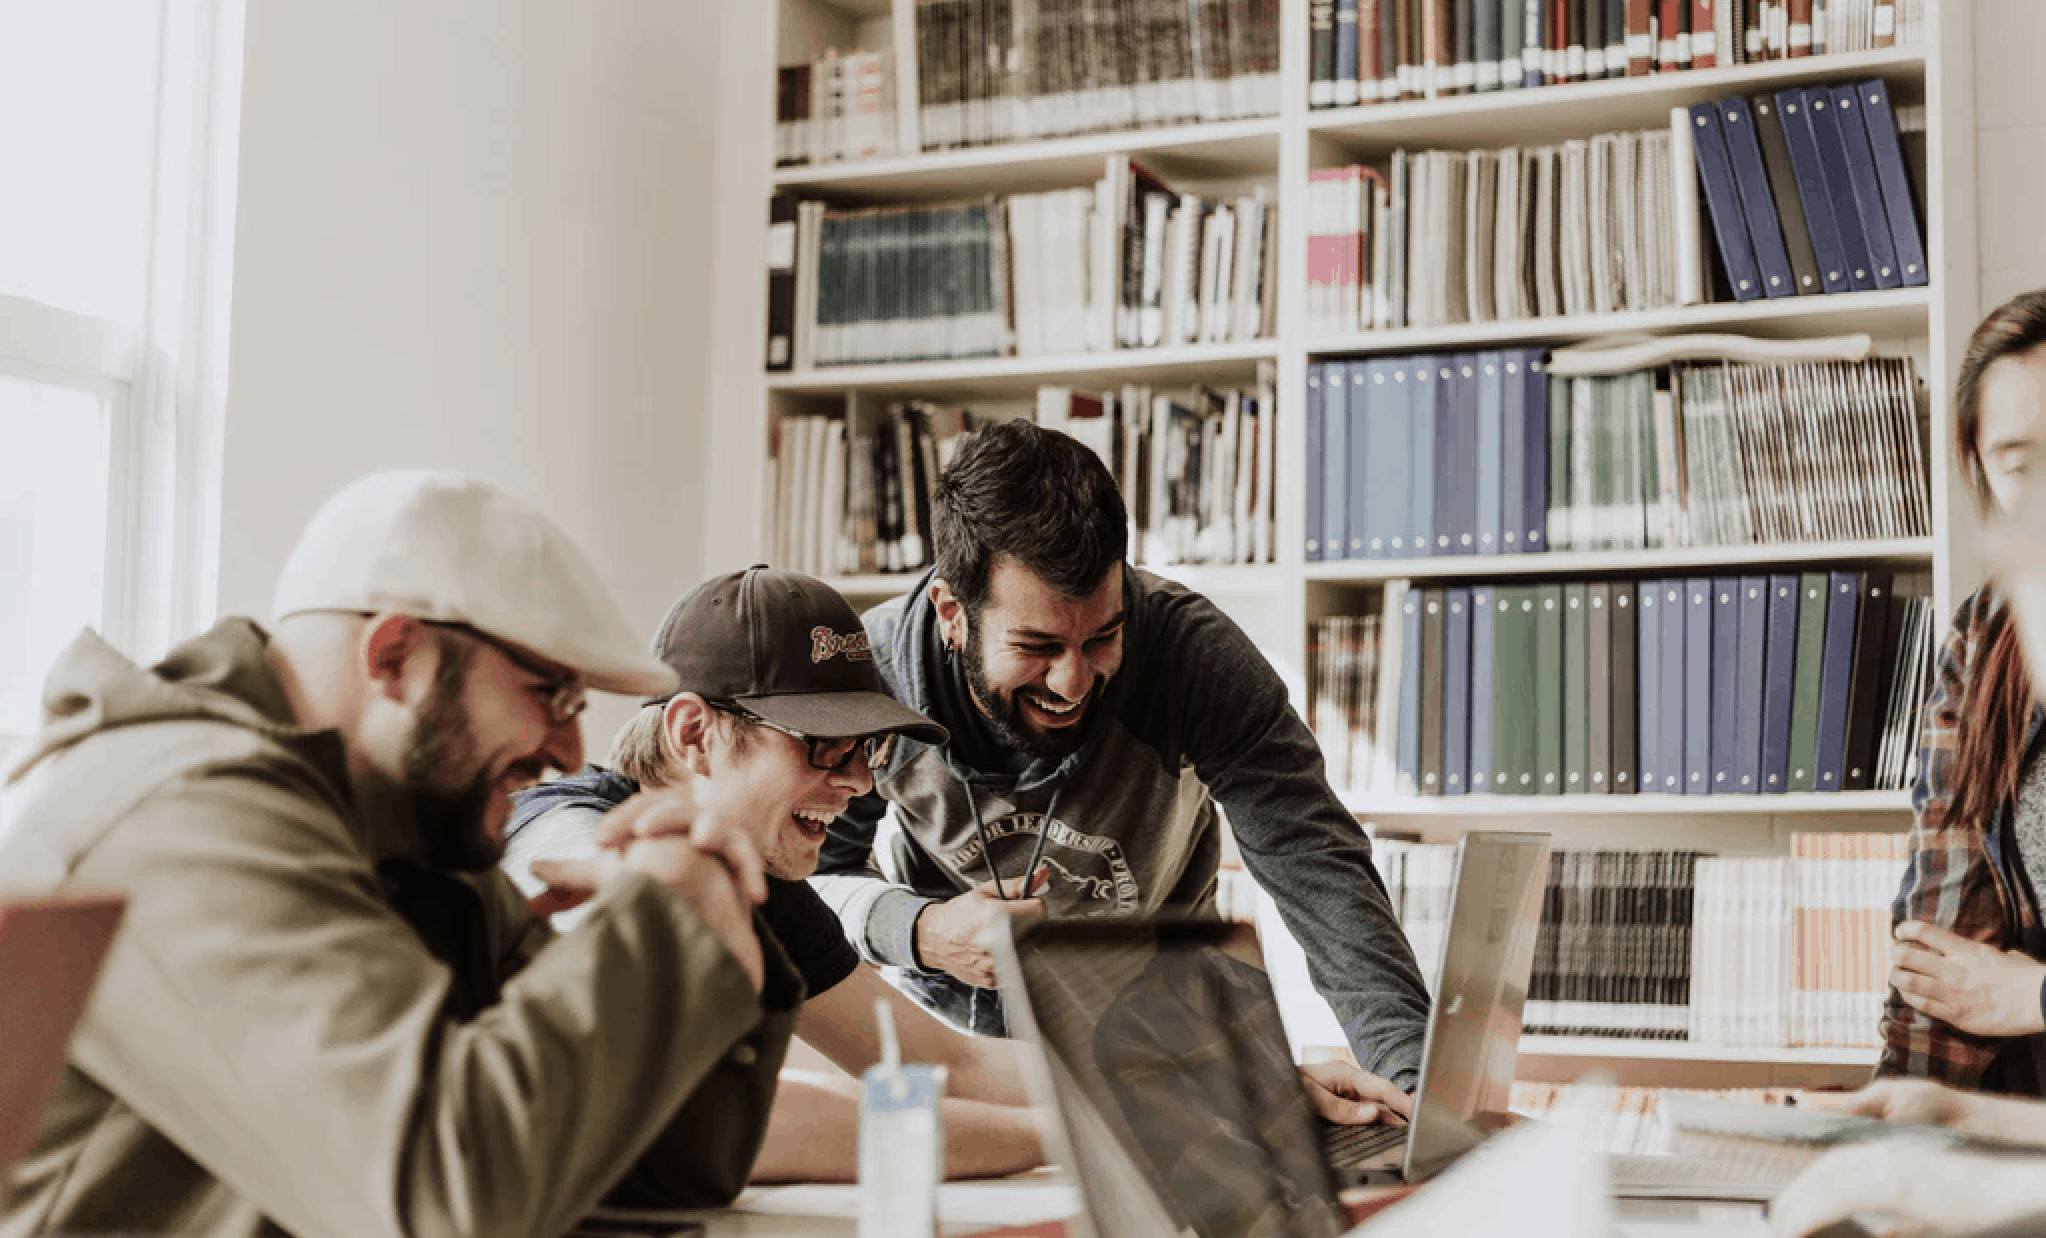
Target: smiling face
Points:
(1038, 661)
(788, 803)
(2011, 435)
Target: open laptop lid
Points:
(1495, 915)
(51, 947)
(1178, 1106)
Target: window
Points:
(118, 130)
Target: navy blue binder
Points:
(1534, 490)
(1648, 670)
(1387, 457)
(1726, 619)
(1491, 448)
(1481, 688)
(1835, 676)
(1346, 53)
(1758, 205)
(1812, 191)
(1754, 640)
(1357, 475)
(1315, 457)
(1698, 687)
(1670, 757)
(1868, 193)
(1421, 384)
(1460, 403)
(1839, 187)
(1410, 694)
(1779, 683)
(1722, 202)
(1899, 207)
(1456, 695)
(1335, 460)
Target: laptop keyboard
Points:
(1349, 1147)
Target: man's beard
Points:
(449, 820)
(1005, 711)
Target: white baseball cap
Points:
(451, 548)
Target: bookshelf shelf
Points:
(1613, 1047)
(1492, 806)
(1915, 550)
(1554, 113)
(1010, 375)
(1890, 314)
(874, 586)
(1224, 151)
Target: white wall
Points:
(476, 234)
(2010, 127)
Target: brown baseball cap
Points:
(789, 648)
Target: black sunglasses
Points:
(829, 755)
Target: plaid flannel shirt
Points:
(1960, 876)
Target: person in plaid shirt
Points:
(1965, 1003)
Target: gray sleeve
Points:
(565, 833)
(879, 917)
(1261, 764)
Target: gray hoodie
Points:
(1196, 718)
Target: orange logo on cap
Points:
(826, 644)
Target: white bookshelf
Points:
(1275, 602)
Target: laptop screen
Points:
(1171, 1067)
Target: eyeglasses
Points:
(563, 695)
(829, 755)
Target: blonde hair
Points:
(640, 750)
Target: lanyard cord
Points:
(987, 852)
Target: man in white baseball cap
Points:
(328, 1013)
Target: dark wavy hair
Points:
(1996, 702)
(1020, 491)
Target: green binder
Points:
(1804, 697)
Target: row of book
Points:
(1704, 686)
(1795, 949)
(839, 106)
(860, 502)
(1489, 454)
(1000, 71)
(1807, 191)
(1640, 1118)
(1677, 945)
(1441, 237)
(1125, 264)
(1370, 51)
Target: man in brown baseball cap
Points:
(779, 705)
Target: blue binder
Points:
(1456, 693)
(1779, 683)
(1388, 455)
(1456, 446)
(1357, 475)
(1648, 686)
(1698, 687)
(1725, 594)
(1315, 456)
(1534, 490)
(1827, 244)
(1722, 201)
(1346, 53)
(1512, 450)
(1669, 759)
(1491, 449)
(1900, 209)
(1754, 640)
(1335, 461)
(1531, 28)
(1835, 676)
(1481, 689)
(1410, 694)
(1868, 193)
(1758, 205)
(1839, 186)
(1421, 409)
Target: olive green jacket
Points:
(274, 1046)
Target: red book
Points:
(1370, 36)
(1640, 44)
(1667, 22)
(1704, 47)
(1800, 42)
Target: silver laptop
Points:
(1179, 1106)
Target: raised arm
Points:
(879, 916)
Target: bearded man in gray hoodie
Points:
(1099, 716)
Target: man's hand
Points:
(952, 936)
(1915, 1102)
(1347, 1093)
(1918, 1188)
(1975, 987)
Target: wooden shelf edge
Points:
(1189, 137)
(1688, 1051)
(1473, 567)
(1796, 803)
(1009, 369)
